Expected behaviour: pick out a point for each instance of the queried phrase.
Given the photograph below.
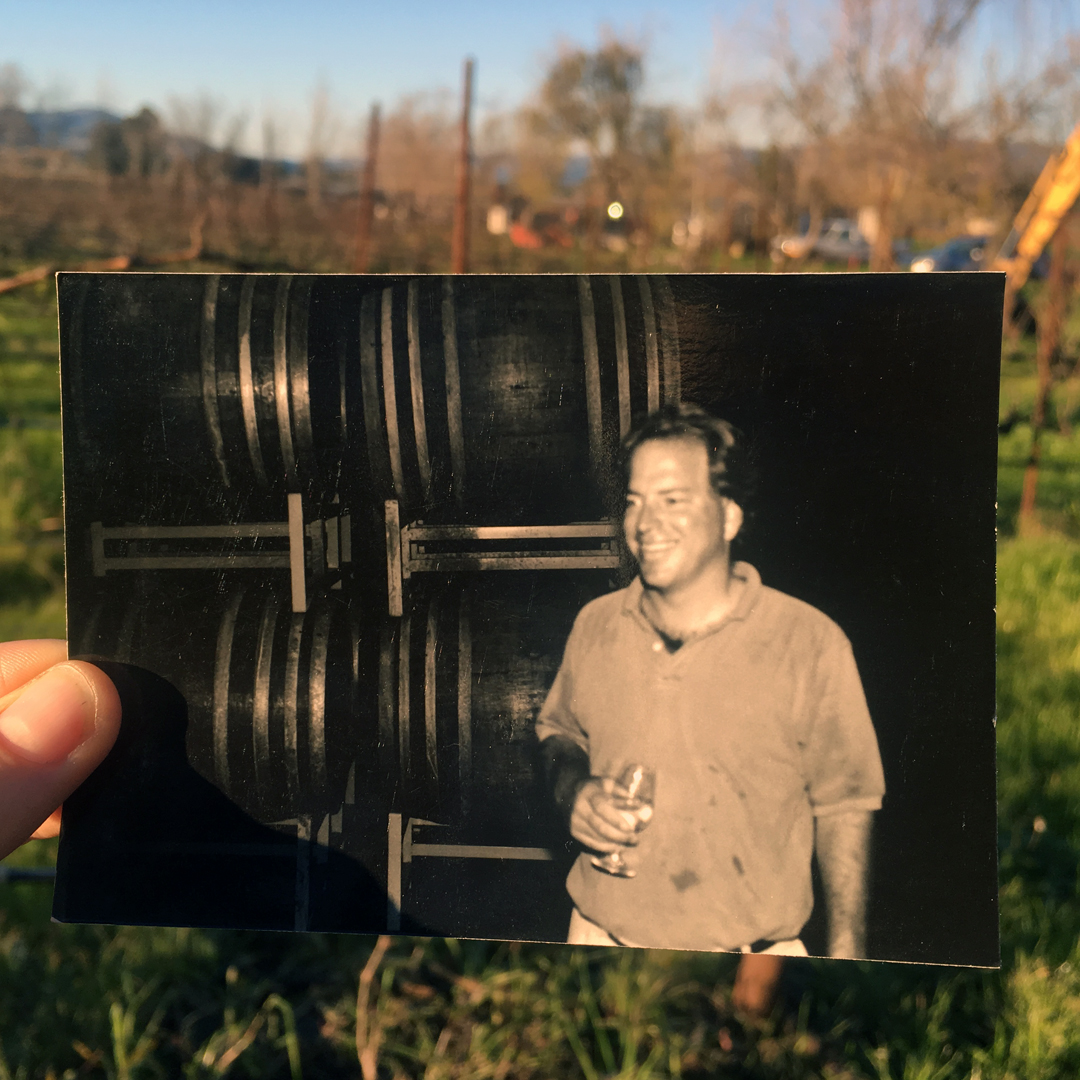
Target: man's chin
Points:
(655, 578)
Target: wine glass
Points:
(635, 789)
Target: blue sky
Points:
(268, 56)
(271, 55)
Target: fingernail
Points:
(53, 716)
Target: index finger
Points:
(606, 810)
(21, 661)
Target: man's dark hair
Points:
(730, 470)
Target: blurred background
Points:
(888, 135)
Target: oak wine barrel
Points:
(276, 718)
(462, 677)
(505, 398)
(225, 385)
(468, 400)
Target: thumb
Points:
(54, 731)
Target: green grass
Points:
(31, 550)
(31, 545)
(29, 360)
(1058, 493)
(132, 1002)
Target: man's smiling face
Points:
(677, 527)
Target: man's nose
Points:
(647, 518)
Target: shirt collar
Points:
(742, 609)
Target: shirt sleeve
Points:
(840, 752)
(557, 715)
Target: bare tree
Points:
(13, 86)
(877, 111)
(1050, 364)
(366, 210)
(322, 135)
(194, 122)
(418, 153)
(593, 99)
(725, 182)
(268, 178)
(881, 118)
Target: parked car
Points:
(959, 253)
(838, 241)
(841, 241)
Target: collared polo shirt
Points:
(753, 727)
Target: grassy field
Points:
(129, 1002)
(31, 547)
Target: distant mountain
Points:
(66, 129)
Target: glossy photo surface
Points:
(330, 536)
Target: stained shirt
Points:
(753, 726)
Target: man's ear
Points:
(733, 519)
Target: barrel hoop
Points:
(208, 359)
(291, 704)
(652, 356)
(222, 664)
(247, 383)
(431, 736)
(464, 695)
(317, 700)
(453, 394)
(622, 355)
(393, 437)
(404, 718)
(281, 377)
(369, 386)
(299, 393)
(261, 696)
(669, 334)
(592, 370)
(416, 385)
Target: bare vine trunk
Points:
(1050, 323)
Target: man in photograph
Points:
(739, 706)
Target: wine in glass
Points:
(635, 789)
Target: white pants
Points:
(585, 932)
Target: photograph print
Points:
(633, 610)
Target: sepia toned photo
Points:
(634, 610)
